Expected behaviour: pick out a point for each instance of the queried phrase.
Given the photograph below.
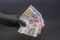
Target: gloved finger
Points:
(22, 23)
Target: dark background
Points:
(50, 10)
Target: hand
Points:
(10, 20)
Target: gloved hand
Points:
(10, 20)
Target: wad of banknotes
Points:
(34, 22)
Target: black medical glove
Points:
(11, 20)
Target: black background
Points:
(50, 10)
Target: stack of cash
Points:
(34, 22)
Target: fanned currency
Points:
(34, 22)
